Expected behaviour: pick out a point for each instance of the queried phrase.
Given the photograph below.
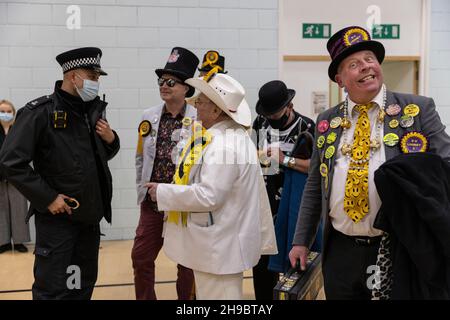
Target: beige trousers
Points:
(210, 286)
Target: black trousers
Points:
(345, 269)
(66, 258)
(264, 280)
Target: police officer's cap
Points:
(81, 58)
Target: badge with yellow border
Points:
(414, 141)
(355, 35)
(144, 128)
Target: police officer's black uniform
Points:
(57, 134)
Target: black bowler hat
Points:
(212, 59)
(182, 64)
(348, 41)
(273, 96)
(81, 58)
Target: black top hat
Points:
(273, 96)
(210, 60)
(81, 58)
(348, 41)
(182, 64)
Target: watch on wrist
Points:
(291, 162)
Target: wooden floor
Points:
(115, 279)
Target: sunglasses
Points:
(170, 82)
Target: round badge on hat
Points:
(406, 121)
(355, 35)
(144, 128)
(323, 126)
(335, 122)
(390, 139)
(414, 141)
(393, 110)
(411, 110)
(330, 152)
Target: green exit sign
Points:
(316, 30)
(386, 31)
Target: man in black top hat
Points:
(212, 60)
(278, 128)
(69, 142)
(160, 130)
(353, 139)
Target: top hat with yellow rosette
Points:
(213, 59)
(348, 41)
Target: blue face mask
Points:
(6, 117)
(89, 91)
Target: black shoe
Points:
(20, 247)
(5, 247)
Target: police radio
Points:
(103, 116)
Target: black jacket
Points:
(71, 160)
(415, 211)
(2, 139)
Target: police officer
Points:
(69, 142)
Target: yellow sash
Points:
(191, 154)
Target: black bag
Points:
(301, 285)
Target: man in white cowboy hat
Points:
(221, 221)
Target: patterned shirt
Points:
(163, 166)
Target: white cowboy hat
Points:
(227, 94)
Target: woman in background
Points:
(13, 205)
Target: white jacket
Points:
(230, 224)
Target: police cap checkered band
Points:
(88, 58)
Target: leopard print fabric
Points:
(383, 287)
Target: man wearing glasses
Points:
(159, 132)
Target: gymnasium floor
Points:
(115, 280)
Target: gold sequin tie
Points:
(356, 200)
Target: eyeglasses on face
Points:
(170, 82)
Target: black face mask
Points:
(279, 123)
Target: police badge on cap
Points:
(81, 58)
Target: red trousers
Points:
(147, 244)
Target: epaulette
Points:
(38, 102)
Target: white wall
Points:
(136, 37)
(306, 77)
(439, 77)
